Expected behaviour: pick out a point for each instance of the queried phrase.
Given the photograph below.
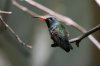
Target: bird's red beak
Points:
(43, 18)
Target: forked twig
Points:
(78, 39)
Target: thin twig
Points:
(78, 39)
(66, 20)
(5, 12)
(24, 8)
(12, 31)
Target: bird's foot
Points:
(54, 45)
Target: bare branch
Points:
(12, 31)
(78, 39)
(98, 2)
(66, 20)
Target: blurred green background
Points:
(35, 32)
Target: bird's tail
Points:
(66, 46)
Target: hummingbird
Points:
(58, 33)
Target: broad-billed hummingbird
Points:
(58, 33)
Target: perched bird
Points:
(58, 33)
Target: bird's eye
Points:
(51, 19)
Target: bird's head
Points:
(49, 20)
